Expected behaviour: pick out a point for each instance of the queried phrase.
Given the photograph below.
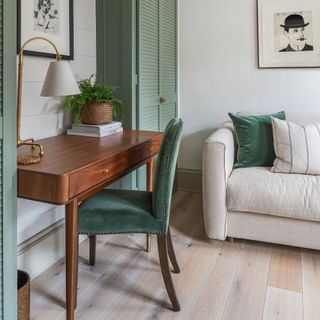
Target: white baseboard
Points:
(43, 250)
(190, 180)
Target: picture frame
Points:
(52, 19)
(288, 33)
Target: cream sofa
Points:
(254, 203)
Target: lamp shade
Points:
(59, 81)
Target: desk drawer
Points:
(92, 175)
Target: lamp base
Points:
(24, 160)
(33, 157)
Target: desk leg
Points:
(150, 168)
(71, 257)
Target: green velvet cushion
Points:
(255, 139)
(118, 211)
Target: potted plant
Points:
(96, 104)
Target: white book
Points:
(96, 128)
(95, 135)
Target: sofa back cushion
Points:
(297, 147)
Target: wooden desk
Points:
(73, 169)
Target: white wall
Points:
(46, 117)
(219, 73)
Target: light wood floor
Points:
(218, 280)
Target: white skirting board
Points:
(43, 250)
(34, 217)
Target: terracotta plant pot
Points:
(96, 113)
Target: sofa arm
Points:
(218, 161)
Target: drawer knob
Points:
(105, 171)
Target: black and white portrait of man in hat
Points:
(295, 30)
(46, 16)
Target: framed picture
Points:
(52, 19)
(289, 33)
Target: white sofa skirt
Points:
(266, 228)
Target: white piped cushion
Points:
(297, 147)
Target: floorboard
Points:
(285, 269)
(282, 305)
(311, 284)
(247, 293)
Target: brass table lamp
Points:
(59, 82)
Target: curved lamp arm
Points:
(58, 55)
(30, 142)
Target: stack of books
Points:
(97, 131)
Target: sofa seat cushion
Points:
(259, 190)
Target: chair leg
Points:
(166, 273)
(92, 240)
(148, 242)
(172, 255)
(77, 275)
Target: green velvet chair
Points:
(122, 211)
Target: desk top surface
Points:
(65, 155)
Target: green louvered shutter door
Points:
(148, 72)
(157, 67)
(8, 187)
(157, 63)
(148, 65)
(168, 61)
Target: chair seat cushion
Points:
(259, 190)
(118, 211)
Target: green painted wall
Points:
(137, 52)
(116, 50)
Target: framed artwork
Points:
(52, 19)
(289, 33)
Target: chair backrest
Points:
(165, 172)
